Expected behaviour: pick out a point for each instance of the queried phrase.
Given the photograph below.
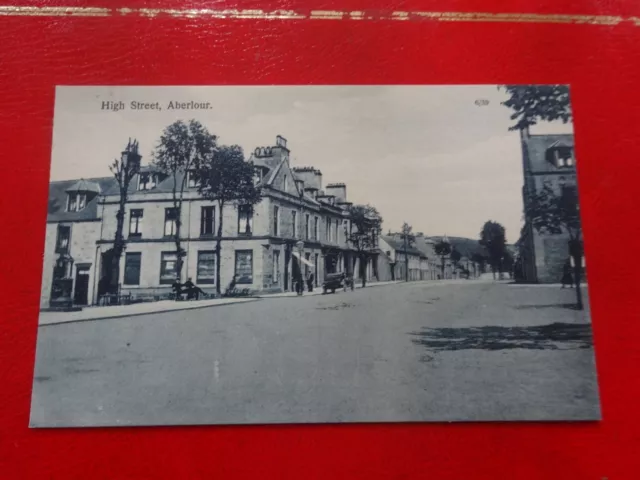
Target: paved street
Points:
(404, 352)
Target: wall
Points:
(82, 248)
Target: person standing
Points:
(310, 279)
(567, 278)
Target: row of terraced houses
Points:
(260, 250)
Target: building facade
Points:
(72, 234)
(547, 161)
(299, 227)
(405, 262)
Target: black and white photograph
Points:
(313, 254)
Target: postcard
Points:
(312, 254)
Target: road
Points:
(406, 352)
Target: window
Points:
(327, 233)
(307, 226)
(294, 221)
(245, 219)
(135, 222)
(206, 220)
(206, 267)
(192, 179)
(147, 181)
(244, 266)
(276, 220)
(276, 267)
(315, 228)
(132, 268)
(285, 183)
(168, 267)
(63, 239)
(76, 201)
(561, 157)
(170, 217)
(335, 231)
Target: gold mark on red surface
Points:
(317, 15)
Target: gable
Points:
(283, 179)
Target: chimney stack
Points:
(338, 190)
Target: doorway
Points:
(81, 290)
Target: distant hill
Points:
(466, 246)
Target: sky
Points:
(440, 158)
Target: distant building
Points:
(402, 257)
(547, 160)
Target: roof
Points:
(83, 185)
(398, 245)
(56, 211)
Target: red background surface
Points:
(602, 63)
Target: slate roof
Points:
(83, 185)
(398, 245)
(56, 211)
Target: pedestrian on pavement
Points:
(567, 278)
(299, 284)
(310, 278)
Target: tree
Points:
(225, 177)
(480, 260)
(554, 214)
(363, 234)
(123, 169)
(181, 146)
(408, 239)
(493, 238)
(455, 257)
(443, 249)
(531, 103)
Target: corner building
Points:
(299, 226)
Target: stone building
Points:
(402, 257)
(547, 160)
(299, 226)
(70, 252)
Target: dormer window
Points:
(285, 183)
(76, 201)
(192, 179)
(147, 181)
(560, 156)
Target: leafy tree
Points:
(531, 103)
(181, 146)
(493, 238)
(408, 238)
(123, 169)
(480, 260)
(554, 214)
(363, 235)
(443, 249)
(226, 178)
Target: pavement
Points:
(118, 311)
(467, 351)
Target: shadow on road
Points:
(555, 336)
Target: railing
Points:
(111, 299)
